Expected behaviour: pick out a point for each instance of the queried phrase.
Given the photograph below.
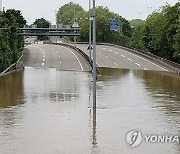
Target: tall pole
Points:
(94, 54)
(74, 13)
(74, 22)
(90, 30)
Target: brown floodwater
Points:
(48, 111)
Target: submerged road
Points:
(108, 56)
(56, 56)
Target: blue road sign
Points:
(114, 25)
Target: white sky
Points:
(129, 9)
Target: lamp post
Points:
(75, 24)
(90, 30)
(94, 54)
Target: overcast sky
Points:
(129, 9)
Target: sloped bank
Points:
(18, 65)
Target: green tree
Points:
(135, 23)
(65, 16)
(160, 34)
(11, 43)
(42, 23)
(172, 27)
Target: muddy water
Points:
(47, 111)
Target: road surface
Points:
(56, 56)
(108, 56)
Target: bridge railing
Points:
(18, 64)
(28, 31)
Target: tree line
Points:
(11, 43)
(159, 34)
(65, 16)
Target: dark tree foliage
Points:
(160, 34)
(11, 43)
(42, 23)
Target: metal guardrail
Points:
(50, 34)
(51, 29)
(14, 66)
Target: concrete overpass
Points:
(28, 31)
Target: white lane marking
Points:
(110, 50)
(76, 58)
(104, 48)
(44, 56)
(107, 57)
(129, 59)
(43, 59)
(115, 63)
(43, 53)
(145, 69)
(116, 53)
(98, 64)
(137, 64)
(42, 64)
(122, 56)
(144, 59)
(61, 62)
(56, 52)
(59, 56)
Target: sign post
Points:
(94, 54)
(114, 27)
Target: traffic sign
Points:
(114, 25)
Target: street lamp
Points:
(90, 30)
(75, 24)
(94, 54)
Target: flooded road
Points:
(48, 111)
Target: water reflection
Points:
(151, 97)
(12, 89)
(94, 132)
(111, 73)
(55, 114)
(158, 81)
(59, 87)
(164, 88)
